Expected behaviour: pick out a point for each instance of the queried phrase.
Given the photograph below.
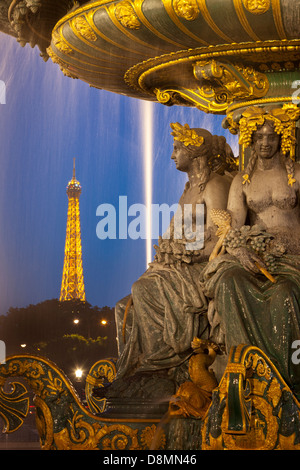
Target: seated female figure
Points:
(168, 304)
(253, 309)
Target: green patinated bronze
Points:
(251, 394)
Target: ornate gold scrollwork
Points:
(263, 429)
(225, 83)
(15, 406)
(152, 434)
(163, 97)
(187, 97)
(44, 423)
(102, 371)
(253, 406)
(82, 435)
(63, 422)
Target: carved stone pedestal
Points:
(252, 408)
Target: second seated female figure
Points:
(264, 204)
(168, 305)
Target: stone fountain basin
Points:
(134, 47)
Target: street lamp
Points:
(78, 374)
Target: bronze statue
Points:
(265, 217)
(167, 307)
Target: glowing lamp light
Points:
(23, 345)
(78, 374)
(103, 322)
(76, 321)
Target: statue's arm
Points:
(216, 197)
(237, 204)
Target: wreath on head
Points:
(284, 121)
(186, 135)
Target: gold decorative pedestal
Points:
(251, 408)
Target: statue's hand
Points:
(248, 259)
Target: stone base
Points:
(252, 408)
(132, 408)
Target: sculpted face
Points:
(266, 141)
(181, 157)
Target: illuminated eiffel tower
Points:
(72, 286)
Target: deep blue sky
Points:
(49, 119)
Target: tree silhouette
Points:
(68, 333)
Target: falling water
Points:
(47, 120)
(147, 123)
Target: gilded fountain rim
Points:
(135, 75)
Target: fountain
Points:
(236, 58)
(147, 116)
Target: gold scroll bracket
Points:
(225, 83)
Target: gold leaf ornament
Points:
(251, 119)
(125, 13)
(284, 123)
(257, 7)
(284, 120)
(187, 9)
(246, 179)
(222, 219)
(81, 25)
(60, 43)
(185, 135)
(291, 180)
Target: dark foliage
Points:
(48, 329)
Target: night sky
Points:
(48, 120)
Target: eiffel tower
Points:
(72, 286)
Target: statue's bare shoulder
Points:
(219, 184)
